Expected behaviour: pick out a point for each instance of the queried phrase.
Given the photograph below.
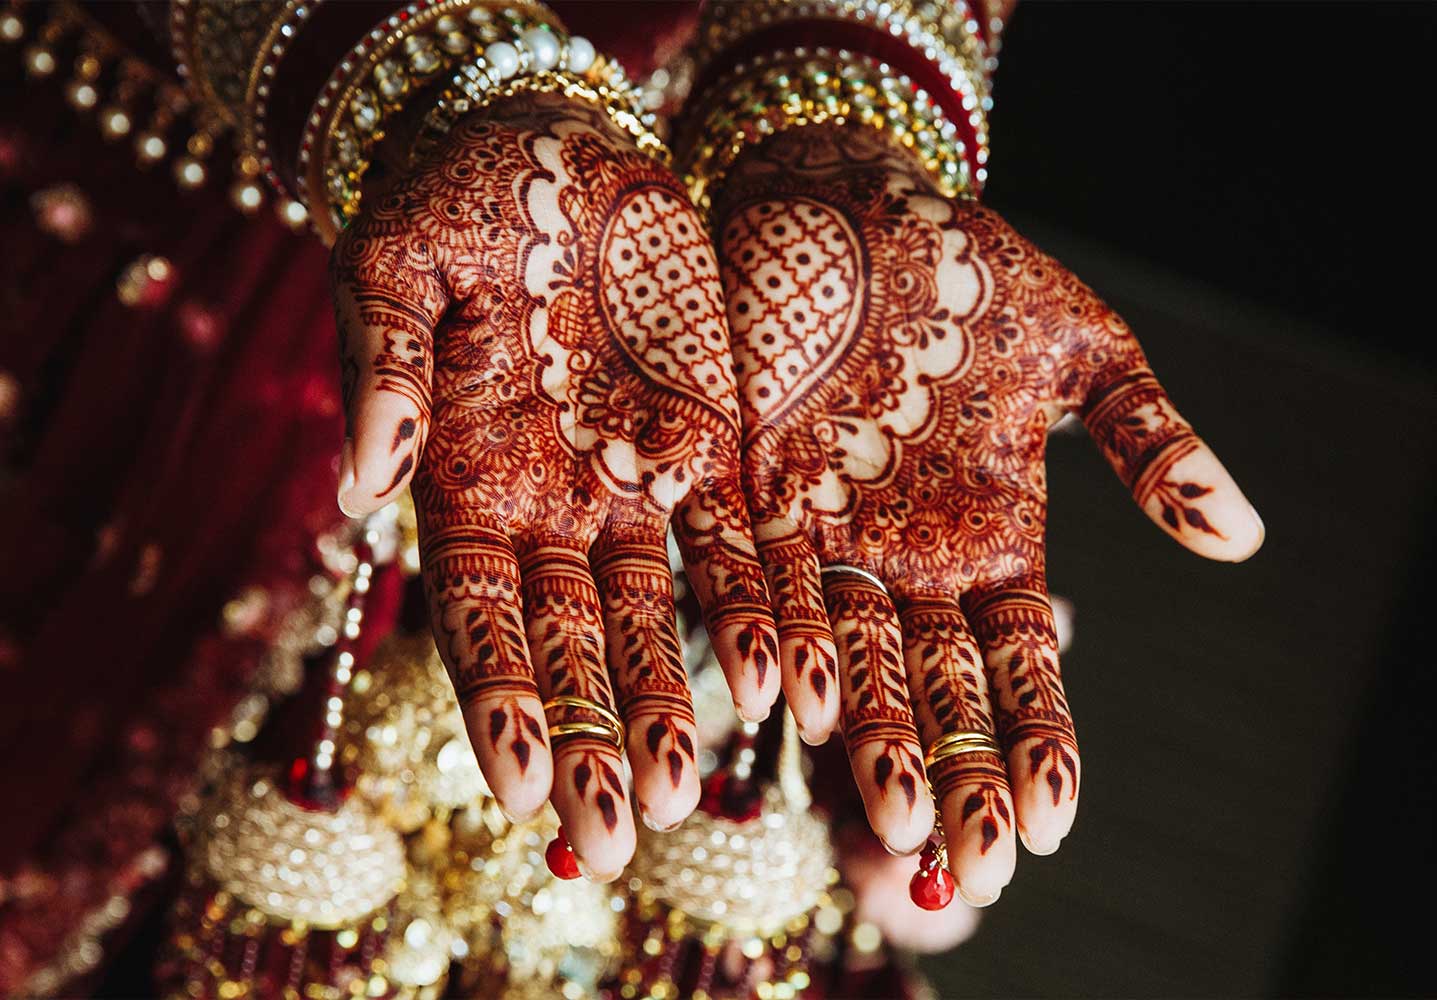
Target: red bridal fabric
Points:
(160, 459)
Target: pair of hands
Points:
(537, 331)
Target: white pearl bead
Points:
(503, 60)
(581, 54)
(543, 49)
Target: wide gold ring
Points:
(961, 742)
(611, 727)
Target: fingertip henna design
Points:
(645, 658)
(878, 724)
(1020, 643)
(471, 577)
(808, 654)
(950, 694)
(1143, 437)
(562, 620)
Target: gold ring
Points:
(964, 741)
(611, 727)
(836, 568)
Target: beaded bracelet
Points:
(937, 43)
(789, 89)
(945, 31)
(475, 87)
(382, 74)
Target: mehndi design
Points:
(900, 358)
(534, 331)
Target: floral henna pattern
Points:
(810, 660)
(946, 677)
(636, 585)
(473, 587)
(878, 725)
(561, 605)
(900, 358)
(533, 330)
(1016, 629)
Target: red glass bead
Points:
(559, 856)
(931, 889)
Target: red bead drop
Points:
(931, 889)
(559, 856)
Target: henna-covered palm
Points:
(533, 330)
(900, 358)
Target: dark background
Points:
(1243, 182)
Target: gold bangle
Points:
(378, 76)
(961, 742)
(946, 33)
(603, 85)
(786, 90)
(610, 725)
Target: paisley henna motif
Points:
(900, 358)
(534, 331)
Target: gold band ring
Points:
(836, 568)
(611, 727)
(964, 741)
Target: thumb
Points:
(387, 300)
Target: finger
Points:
(1174, 477)
(636, 585)
(387, 301)
(566, 643)
(878, 725)
(1014, 626)
(472, 580)
(950, 695)
(805, 641)
(711, 528)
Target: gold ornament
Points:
(750, 879)
(765, 886)
(322, 869)
(407, 735)
(774, 93)
(419, 953)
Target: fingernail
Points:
(517, 818)
(811, 740)
(346, 476)
(979, 901)
(752, 719)
(900, 853)
(594, 877)
(649, 822)
(1042, 848)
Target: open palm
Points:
(900, 358)
(534, 332)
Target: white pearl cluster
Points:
(534, 50)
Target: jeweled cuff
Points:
(919, 69)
